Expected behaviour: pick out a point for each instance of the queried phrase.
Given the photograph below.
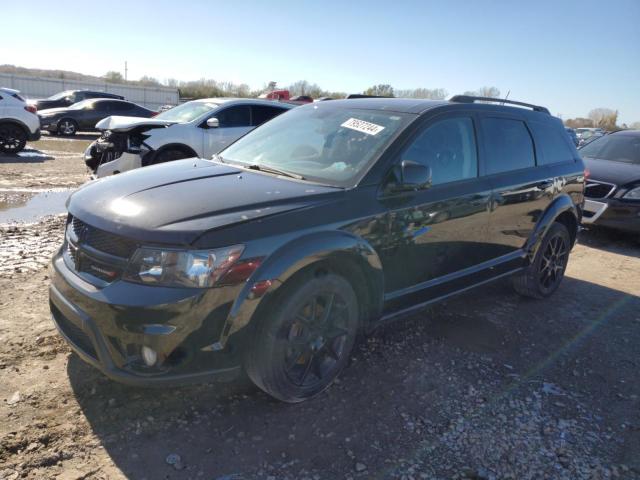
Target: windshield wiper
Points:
(263, 168)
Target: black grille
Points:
(74, 333)
(598, 190)
(104, 241)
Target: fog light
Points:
(149, 356)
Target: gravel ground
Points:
(485, 386)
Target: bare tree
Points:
(604, 118)
(430, 93)
(491, 92)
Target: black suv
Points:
(317, 225)
(69, 97)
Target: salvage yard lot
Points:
(486, 385)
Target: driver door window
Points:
(449, 148)
(234, 123)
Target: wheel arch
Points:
(338, 252)
(17, 123)
(561, 209)
(149, 159)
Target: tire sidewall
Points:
(555, 229)
(265, 364)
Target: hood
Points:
(125, 124)
(178, 201)
(619, 173)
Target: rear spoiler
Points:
(473, 99)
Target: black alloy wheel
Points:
(305, 340)
(12, 138)
(544, 275)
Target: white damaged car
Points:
(200, 128)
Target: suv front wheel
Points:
(543, 276)
(305, 339)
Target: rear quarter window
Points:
(552, 144)
(508, 145)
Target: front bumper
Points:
(108, 327)
(612, 213)
(126, 161)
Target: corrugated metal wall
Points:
(40, 87)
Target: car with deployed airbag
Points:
(322, 223)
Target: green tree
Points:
(114, 77)
(380, 90)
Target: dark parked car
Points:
(613, 187)
(573, 136)
(69, 97)
(84, 115)
(322, 222)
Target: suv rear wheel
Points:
(543, 276)
(304, 341)
(13, 138)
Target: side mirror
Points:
(410, 176)
(68, 100)
(213, 122)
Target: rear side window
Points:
(552, 144)
(508, 145)
(261, 114)
(235, 116)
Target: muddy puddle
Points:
(19, 206)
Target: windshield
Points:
(187, 111)
(619, 148)
(60, 95)
(320, 142)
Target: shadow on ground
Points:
(28, 155)
(503, 345)
(613, 241)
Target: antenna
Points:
(126, 70)
(506, 96)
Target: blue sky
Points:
(571, 56)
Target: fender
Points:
(561, 204)
(292, 257)
(16, 122)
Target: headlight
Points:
(182, 268)
(633, 194)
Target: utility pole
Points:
(126, 70)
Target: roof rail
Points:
(473, 99)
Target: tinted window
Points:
(552, 144)
(507, 144)
(619, 148)
(99, 106)
(123, 107)
(449, 148)
(262, 114)
(235, 116)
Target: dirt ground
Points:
(485, 386)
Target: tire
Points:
(544, 275)
(170, 155)
(13, 138)
(67, 127)
(304, 341)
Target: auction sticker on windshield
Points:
(362, 126)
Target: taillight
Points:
(31, 108)
(587, 174)
(153, 114)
